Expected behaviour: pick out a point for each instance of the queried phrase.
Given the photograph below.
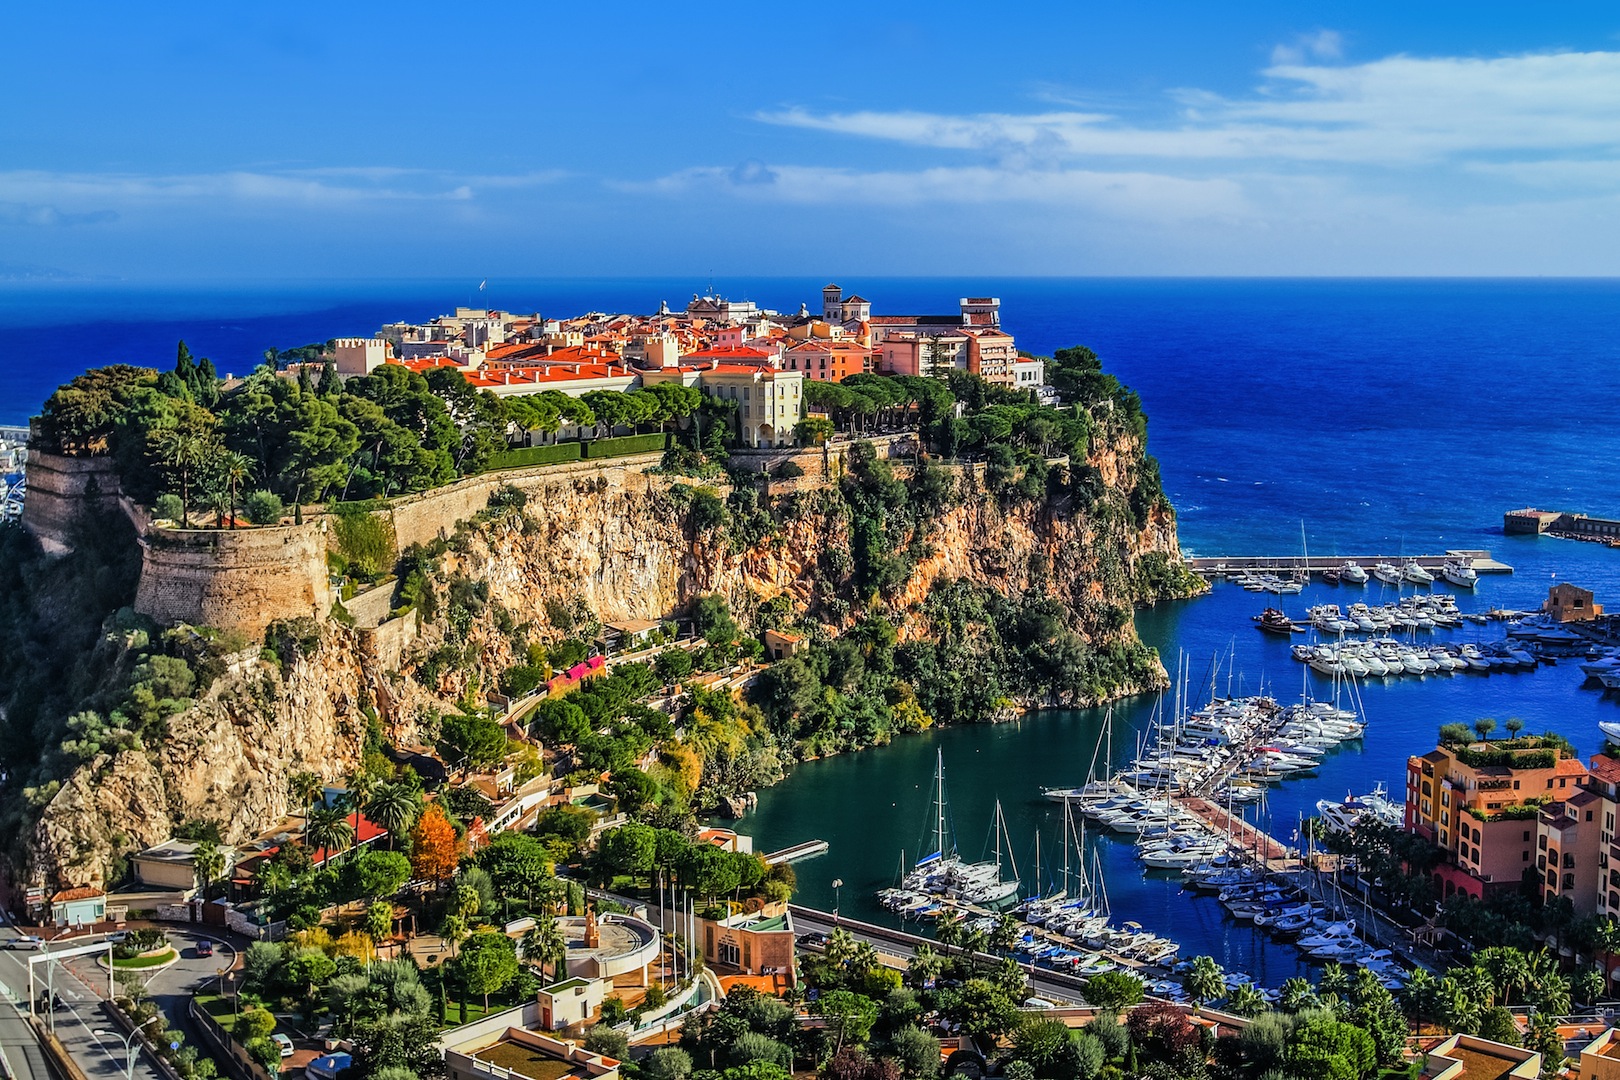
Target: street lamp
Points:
(129, 1049)
(837, 884)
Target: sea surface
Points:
(1351, 417)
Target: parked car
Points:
(25, 941)
(813, 940)
(205, 948)
(283, 1043)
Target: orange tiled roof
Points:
(81, 892)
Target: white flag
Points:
(481, 284)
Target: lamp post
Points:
(837, 884)
(129, 1048)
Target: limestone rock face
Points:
(614, 542)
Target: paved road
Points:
(1042, 983)
(81, 986)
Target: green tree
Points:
(667, 1063)
(486, 964)
(328, 830)
(209, 863)
(1204, 980)
(916, 1051)
(380, 919)
(394, 806)
(849, 1016)
(1114, 990)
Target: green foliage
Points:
(627, 444)
(525, 456)
(1114, 990)
(168, 508)
(263, 507)
(364, 539)
(472, 741)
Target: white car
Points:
(25, 941)
(283, 1044)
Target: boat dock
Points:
(1285, 564)
(807, 850)
(1257, 844)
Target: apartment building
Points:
(1481, 804)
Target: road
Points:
(1049, 985)
(81, 985)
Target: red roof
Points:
(1606, 769)
(82, 892)
(731, 352)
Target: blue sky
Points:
(180, 142)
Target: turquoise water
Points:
(1398, 416)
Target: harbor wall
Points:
(60, 490)
(238, 579)
(1561, 523)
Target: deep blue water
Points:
(1384, 415)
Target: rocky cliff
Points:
(619, 544)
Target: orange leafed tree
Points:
(433, 846)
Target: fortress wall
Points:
(432, 515)
(240, 579)
(60, 489)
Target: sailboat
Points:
(944, 873)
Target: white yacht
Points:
(1460, 572)
(1416, 574)
(1388, 573)
(1352, 574)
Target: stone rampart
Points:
(60, 489)
(432, 515)
(240, 579)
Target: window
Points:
(1569, 881)
(1541, 842)
(1527, 836)
(1589, 815)
(1515, 785)
(1524, 856)
(1552, 878)
(1569, 859)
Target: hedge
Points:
(534, 455)
(626, 444)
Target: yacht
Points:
(1416, 574)
(1460, 572)
(1352, 574)
(1610, 729)
(1388, 573)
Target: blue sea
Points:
(1387, 416)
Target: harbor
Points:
(868, 806)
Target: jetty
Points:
(807, 850)
(1482, 561)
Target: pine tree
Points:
(304, 385)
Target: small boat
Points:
(1352, 574)
(1388, 573)
(1273, 621)
(1331, 576)
(1415, 574)
(1460, 572)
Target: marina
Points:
(1319, 565)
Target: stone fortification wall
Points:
(241, 579)
(432, 515)
(60, 489)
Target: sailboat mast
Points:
(939, 827)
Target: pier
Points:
(1286, 564)
(807, 850)
(1257, 844)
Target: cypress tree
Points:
(330, 386)
(304, 385)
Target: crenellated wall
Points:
(60, 489)
(242, 579)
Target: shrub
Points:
(168, 507)
(263, 507)
(626, 444)
(525, 456)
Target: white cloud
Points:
(1394, 112)
(309, 187)
(1323, 45)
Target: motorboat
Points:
(1352, 574)
(1388, 573)
(1460, 572)
(1611, 730)
(1415, 574)
(1274, 621)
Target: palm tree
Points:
(1245, 1000)
(948, 929)
(1508, 969)
(1204, 981)
(1004, 934)
(925, 966)
(1334, 980)
(208, 862)
(1420, 997)
(545, 944)
(840, 947)
(236, 469)
(1296, 994)
(357, 795)
(1588, 985)
(328, 829)
(453, 930)
(182, 449)
(302, 787)
(393, 806)
(1552, 997)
